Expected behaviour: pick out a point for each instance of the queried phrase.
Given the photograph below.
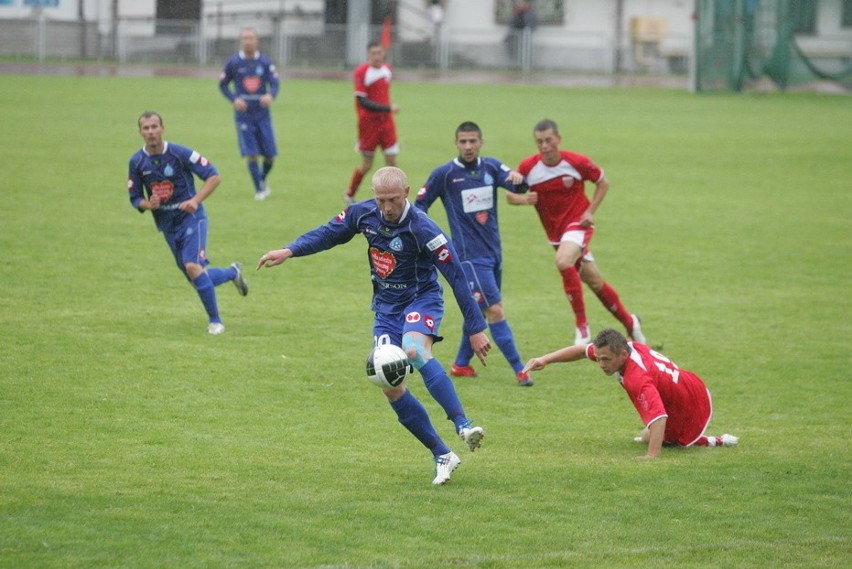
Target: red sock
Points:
(357, 176)
(573, 287)
(610, 300)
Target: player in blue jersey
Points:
(406, 251)
(467, 186)
(161, 179)
(255, 81)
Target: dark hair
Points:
(545, 124)
(469, 126)
(374, 43)
(148, 115)
(613, 339)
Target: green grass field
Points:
(129, 437)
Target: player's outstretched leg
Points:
(725, 440)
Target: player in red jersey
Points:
(557, 190)
(376, 126)
(674, 404)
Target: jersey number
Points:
(665, 365)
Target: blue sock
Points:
(465, 353)
(219, 276)
(413, 416)
(441, 389)
(505, 340)
(256, 175)
(267, 166)
(207, 293)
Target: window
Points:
(804, 15)
(546, 11)
(846, 17)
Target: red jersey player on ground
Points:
(674, 404)
(557, 190)
(375, 115)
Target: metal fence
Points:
(311, 43)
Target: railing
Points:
(306, 41)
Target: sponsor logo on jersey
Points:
(438, 241)
(251, 84)
(477, 199)
(383, 262)
(444, 255)
(396, 244)
(412, 317)
(163, 189)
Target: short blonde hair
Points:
(390, 177)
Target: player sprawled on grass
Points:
(467, 186)
(256, 84)
(406, 250)
(557, 181)
(674, 403)
(161, 179)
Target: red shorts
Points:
(373, 132)
(686, 428)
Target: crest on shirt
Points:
(396, 244)
(163, 190)
(168, 170)
(489, 180)
(251, 84)
(383, 262)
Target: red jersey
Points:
(658, 389)
(373, 83)
(561, 189)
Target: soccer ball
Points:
(388, 366)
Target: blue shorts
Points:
(484, 276)
(256, 138)
(188, 242)
(423, 315)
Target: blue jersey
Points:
(404, 257)
(252, 78)
(169, 176)
(469, 195)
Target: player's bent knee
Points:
(415, 348)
